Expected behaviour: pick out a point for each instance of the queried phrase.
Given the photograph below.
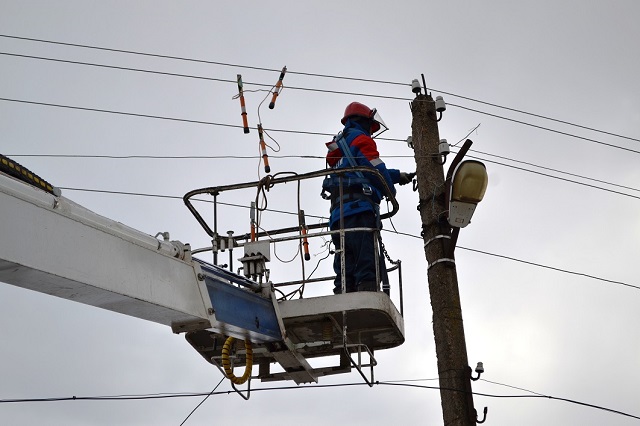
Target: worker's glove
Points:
(406, 178)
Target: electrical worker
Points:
(362, 193)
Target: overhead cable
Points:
(322, 76)
(394, 232)
(571, 401)
(554, 170)
(340, 93)
(315, 386)
(319, 157)
(280, 130)
(524, 123)
(561, 178)
(158, 117)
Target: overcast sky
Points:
(539, 329)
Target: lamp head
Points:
(468, 185)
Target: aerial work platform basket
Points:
(233, 318)
(253, 326)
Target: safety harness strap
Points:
(346, 153)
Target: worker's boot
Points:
(367, 286)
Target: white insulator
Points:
(440, 105)
(415, 86)
(443, 147)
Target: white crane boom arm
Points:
(52, 245)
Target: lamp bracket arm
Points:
(458, 158)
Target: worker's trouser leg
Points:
(360, 264)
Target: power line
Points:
(378, 383)
(336, 92)
(512, 387)
(202, 402)
(179, 157)
(539, 116)
(318, 75)
(65, 61)
(571, 401)
(159, 117)
(563, 179)
(318, 157)
(202, 61)
(394, 232)
(312, 157)
(313, 133)
(175, 197)
(528, 262)
(524, 123)
(539, 265)
(554, 170)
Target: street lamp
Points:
(466, 184)
(467, 188)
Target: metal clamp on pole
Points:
(430, 240)
(444, 259)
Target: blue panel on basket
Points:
(240, 308)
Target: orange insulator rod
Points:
(303, 231)
(245, 123)
(263, 148)
(278, 88)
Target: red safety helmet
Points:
(356, 109)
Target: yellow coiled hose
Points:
(226, 362)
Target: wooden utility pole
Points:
(451, 351)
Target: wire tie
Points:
(429, 241)
(444, 259)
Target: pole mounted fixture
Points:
(440, 106)
(415, 87)
(479, 370)
(473, 413)
(467, 189)
(465, 185)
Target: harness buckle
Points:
(366, 189)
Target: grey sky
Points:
(553, 333)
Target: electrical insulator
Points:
(415, 86)
(443, 147)
(410, 141)
(440, 105)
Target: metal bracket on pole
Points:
(473, 413)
